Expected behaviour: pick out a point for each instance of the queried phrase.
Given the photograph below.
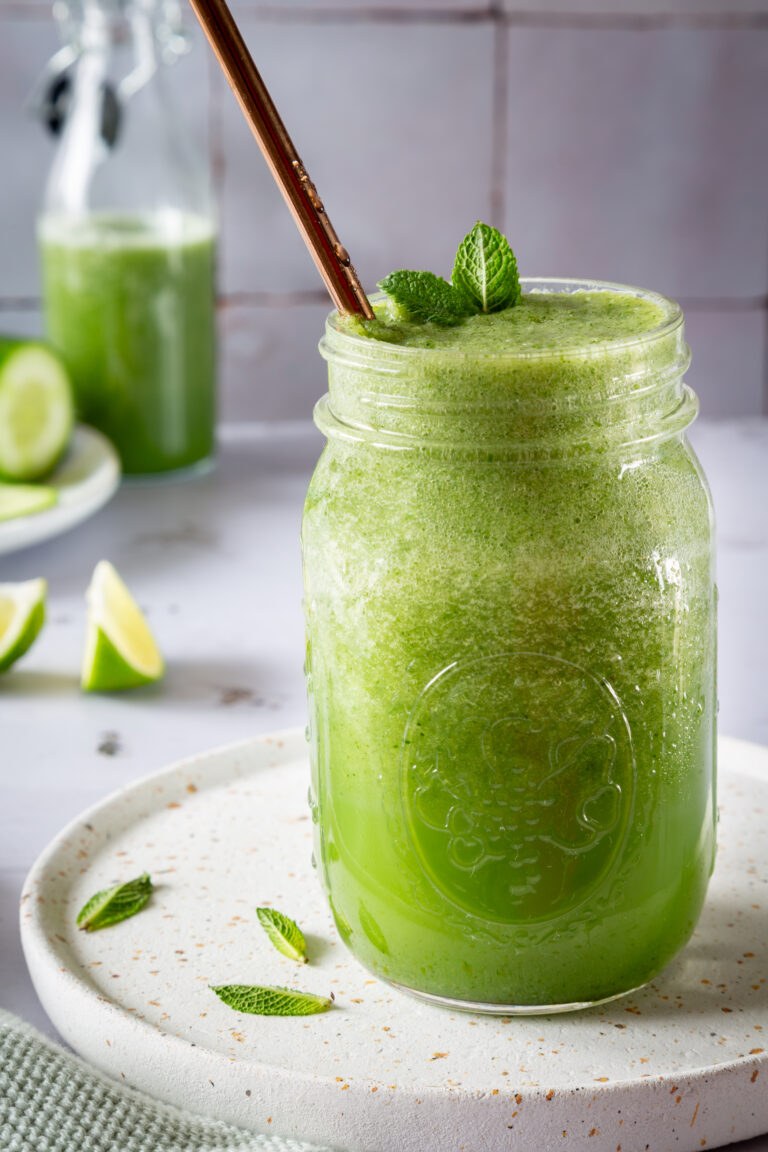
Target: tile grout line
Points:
(764, 397)
(215, 146)
(637, 21)
(295, 299)
(380, 14)
(722, 303)
(385, 14)
(20, 303)
(303, 296)
(764, 406)
(498, 173)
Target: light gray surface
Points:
(216, 564)
(615, 138)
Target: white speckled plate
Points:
(681, 1065)
(86, 479)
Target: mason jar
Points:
(510, 615)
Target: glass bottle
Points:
(510, 610)
(127, 239)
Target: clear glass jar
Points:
(511, 664)
(127, 241)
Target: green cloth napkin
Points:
(52, 1101)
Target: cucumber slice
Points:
(25, 500)
(36, 409)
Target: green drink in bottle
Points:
(127, 243)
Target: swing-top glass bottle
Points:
(127, 237)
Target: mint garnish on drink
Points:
(485, 270)
(266, 1000)
(112, 905)
(284, 933)
(484, 279)
(424, 296)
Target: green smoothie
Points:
(511, 648)
(554, 323)
(130, 303)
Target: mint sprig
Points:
(424, 296)
(485, 271)
(266, 1000)
(484, 279)
(284, 933)
(112, 905)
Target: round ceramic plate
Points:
(86, 478)
(681, 1064)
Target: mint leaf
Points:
(485, 271)
(115, 904)
(425, 297)
(484, 279)
(264, 1000)
(284, 933)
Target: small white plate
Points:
(682, 1064)
(86, 479)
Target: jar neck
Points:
(561, 401)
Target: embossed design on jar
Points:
(517, 780)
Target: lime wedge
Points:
(120, 651)
(25, 500)
(36, 409)
(22, 615)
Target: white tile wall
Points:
(626, 139)
(270, 364)
(728, 351)
(395, 128)
(25, 46)
(640, 156)
(20, 322)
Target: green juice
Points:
(511, 650)
(130, 303)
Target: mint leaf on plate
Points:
(112, 905)
(426, 297)
(485, 271)
(265, 1000)
(284, 933)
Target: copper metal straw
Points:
(331, 258)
